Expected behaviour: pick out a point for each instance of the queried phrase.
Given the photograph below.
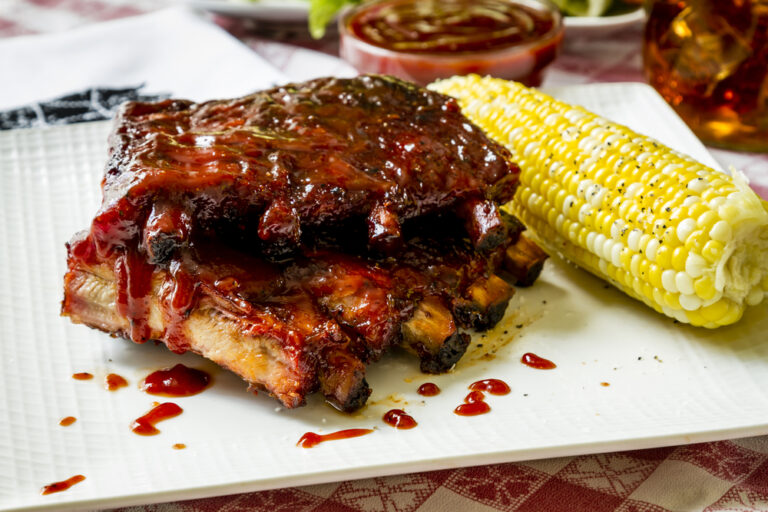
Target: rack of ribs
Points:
(267, 165)
(178, 252)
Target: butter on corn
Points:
(685, 239)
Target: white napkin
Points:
(173, 51)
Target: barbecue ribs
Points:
(301, 326)
(267, 234)
(266, 165)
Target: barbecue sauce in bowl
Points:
(423, 40)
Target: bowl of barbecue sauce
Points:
(423, 40)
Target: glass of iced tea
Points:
(709, 59)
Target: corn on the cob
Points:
(685, 239)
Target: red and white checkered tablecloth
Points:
(717, 476)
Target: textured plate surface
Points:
(669, 384)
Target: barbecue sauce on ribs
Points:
(314, 154)
(202, 203)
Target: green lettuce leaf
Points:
(584, 7)
(321, 12)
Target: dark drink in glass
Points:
(709, 59)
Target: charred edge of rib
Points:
(504, 190)
(451, 350)
(342, 381)
(514, 226)
(161, 247)
(484, 303)
(483, 223)
(524, 260)
(166, 231)
(432, 335)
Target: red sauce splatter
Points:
(65, 422)
(399, 419)
(82, 376)
(177, 381)
(605, 384)
(114, 382)
(492, 386)
(310, 439)
(534, 361)
(179, 446)
(472, 409)
(474, 404)
(429, 389)
(145, 425)
(62, 486)
(474, 396)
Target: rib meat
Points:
(310, 324)
(295, 235)
(264, 167)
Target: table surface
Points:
(718, 476)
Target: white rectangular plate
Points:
(669, 383)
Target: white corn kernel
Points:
(689, 302)
(721, 232)
(651, 249)
(616, 254)
(684, 283)
(685, 228)
(668, 281)
(695, 265)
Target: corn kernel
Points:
(672, 300)
(664, 256)
(696, 241)
(704, 287)
(679, 257)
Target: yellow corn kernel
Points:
(679, 256)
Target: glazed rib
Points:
(311, 324)
(267, 166)
(296, 235)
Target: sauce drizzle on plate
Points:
(177, 381)
(399, 419)
(62, 486)
(310, 439)
(533, 361)
(145, 425)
